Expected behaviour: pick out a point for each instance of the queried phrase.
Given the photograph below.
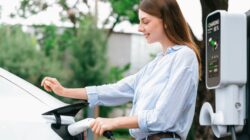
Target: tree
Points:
(123, 10)
(72, 12)
(81, 55)
(90, 54)
(19, 53)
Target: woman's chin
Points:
(150, 41)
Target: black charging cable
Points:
(109, 135)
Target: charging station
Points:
(226, 73)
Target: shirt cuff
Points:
(142, 121)
(92, 95)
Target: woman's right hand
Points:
(52, 84)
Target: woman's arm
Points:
(52, 84)
(101, 125)
(76, 93)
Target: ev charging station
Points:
(226, 73)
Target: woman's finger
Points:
(98, 129)
(47, 88)
(52, 80)
(94, 126)
(42, 83)
(104, 127)
(101, 130)
(48, 85)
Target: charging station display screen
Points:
(213, 50)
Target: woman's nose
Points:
(140, 28)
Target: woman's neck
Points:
(166, 44)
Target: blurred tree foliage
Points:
(19, 53)
(74, 11)
(76, 60)
(125, 10)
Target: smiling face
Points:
(151, 27)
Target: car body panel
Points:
(22, 105)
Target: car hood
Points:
(20, 99)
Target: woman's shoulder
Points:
(185, 50)
(186, 54)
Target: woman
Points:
(163, 92)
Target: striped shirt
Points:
(163, 93)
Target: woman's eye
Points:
(145, 22)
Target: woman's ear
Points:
(165, 26)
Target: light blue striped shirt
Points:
(163, 93)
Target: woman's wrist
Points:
(63, 91)
(116, 123)
(76, 93)
(125, 122)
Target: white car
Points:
(29, 113)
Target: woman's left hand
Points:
(100, 125)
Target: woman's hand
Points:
(100, 125)
(51, 84)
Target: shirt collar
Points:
(170, 50)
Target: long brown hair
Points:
(175, 26)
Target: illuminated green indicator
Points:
(212, 43)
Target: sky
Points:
(190, 9)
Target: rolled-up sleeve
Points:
(114, 94)
(111, 94)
